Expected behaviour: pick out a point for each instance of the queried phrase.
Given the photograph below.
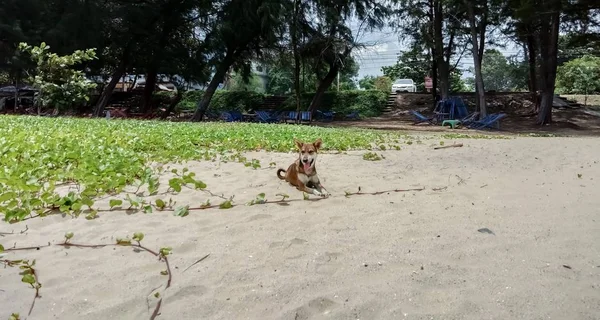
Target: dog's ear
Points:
(318, 143)
(298, 143)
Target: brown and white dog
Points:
(302, 173)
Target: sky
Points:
(384, 46)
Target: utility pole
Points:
(338, 82)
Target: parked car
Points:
(404, 85)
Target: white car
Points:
(404, 85)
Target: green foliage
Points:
(579, 76)
(368, 103)
(237, 83)
(223, 100)
(281, 76)
(382, 83)
(500, 73)
(60, 85)
(38, 154)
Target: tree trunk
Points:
(296, 58)
(477, 59)
(531, 59)
(212, 86)
(173, 104)
(16, 105)
(549, 63)
(434, 69)
(442, 66)
(323, 86)
(108, 89)
(149, 88)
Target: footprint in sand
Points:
(259, 217)
(315, 307)
(327, 264)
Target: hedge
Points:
(367, 103)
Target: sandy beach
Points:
(504, 229)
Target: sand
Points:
(405, 255)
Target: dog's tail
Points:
(280, 176)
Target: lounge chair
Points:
(306, 116)
(419, 118)
(353, 116)
(231, 116)
(469, 119)
(327, 115)
(265, 117)
(291, 116)
(489, 121)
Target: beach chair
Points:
(353, 116)
(469, 119)
(265, 117)
(291, 116)
(231, 116)
(491, 121)
(306, 116)
(327, 115)
(419, 118)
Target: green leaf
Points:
(182, 211)
(147, 208)
(165, 251)
(92, 215)
(1, 248)
(123, 242)
(28, 278)
(283, 195)
(138, 236)
(7, 196)
(199, 185)
(115, 203)
(87, 201)
(164, 272)
(226, 205)
(160, 203)
(175, 184)
(69, 235)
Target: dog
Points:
(303, 173)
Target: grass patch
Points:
(39, 154)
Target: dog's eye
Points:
(311, 152)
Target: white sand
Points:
(413, 255)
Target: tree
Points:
(579, 76)
(241, 29)
(412, 64)
(383, 83)
(500, 73)
(367, 82)
(60, 85)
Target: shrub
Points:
(368, 103)
(223, 100)
(61, 85)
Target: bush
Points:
(61, 85)
(222, 100)
(368, 103)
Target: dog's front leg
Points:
(320, 187)
(302, 187)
